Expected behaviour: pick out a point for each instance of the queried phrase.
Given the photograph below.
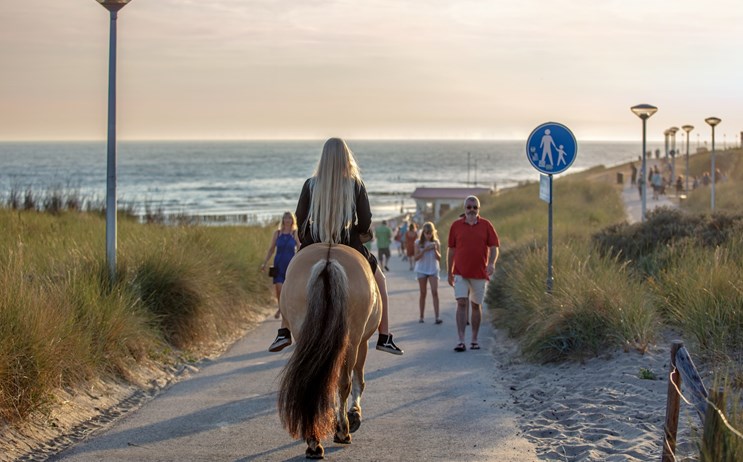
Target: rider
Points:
(334, 208)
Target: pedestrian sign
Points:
(551, 148)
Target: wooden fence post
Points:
(672, 407)
(713, 438)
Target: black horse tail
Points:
(309, 383)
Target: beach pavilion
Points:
(435, 201)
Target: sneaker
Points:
(385, 343)
(283, 340)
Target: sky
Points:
(370, 69)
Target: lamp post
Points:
(687, 129)
(712, 122)
(644, 111)
(666, 137)
(113, 6)
(673, 131)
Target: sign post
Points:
(551, 149)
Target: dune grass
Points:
(179, 290)
(728, 190)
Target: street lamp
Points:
(673, 131)
(712, 122)
(666, 138)
(644, 111)
(687, 129)
(113, 6)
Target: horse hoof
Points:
(317, 453)
(342, 440)
(354, 421)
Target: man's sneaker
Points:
(283, 340)
(385, 343)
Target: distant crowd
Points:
(660, 179)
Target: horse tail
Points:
(309, 382)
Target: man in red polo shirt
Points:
(473, 249)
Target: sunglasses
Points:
(472, 207)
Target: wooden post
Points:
(713, 438)
(672, 407)
(692, 382)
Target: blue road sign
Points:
(551, 148)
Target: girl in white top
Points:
(427, 266)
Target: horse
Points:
(333, 306)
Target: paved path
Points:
(633, 203)
(430, 404)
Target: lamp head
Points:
(644, 111)
(113, 5)
(688, 128)
(673, 130)
(712, 121)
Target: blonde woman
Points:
(285, 243)
(334, 208)
(427, 266)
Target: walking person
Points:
(285, 243)
(403, 233)
(333, 208)
(427, 267)
(383, 234)
(473, 249)
(410, 237)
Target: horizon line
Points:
(396, 139)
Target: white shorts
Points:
(475, 288)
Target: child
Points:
(427, 258)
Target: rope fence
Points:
(709, 407)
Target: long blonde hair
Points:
(428, 226)
(294, 221)
(332, 208)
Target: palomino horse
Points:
(333, 306)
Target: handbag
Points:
(366, 237)
(272, 271)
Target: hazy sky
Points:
(269, 69)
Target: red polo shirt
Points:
(471, 244)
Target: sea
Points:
(259, 180)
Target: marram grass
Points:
(63, 323)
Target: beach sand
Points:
(596, 410)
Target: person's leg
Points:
(277, 287)
(461, 318)
(477, 296)
(384, 342)
(284, 336)
(434, 281)
(476, 318)
(422, 296)
(384, 325)
(461, 291)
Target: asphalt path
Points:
(633, 202)
(430, 404)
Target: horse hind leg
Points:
(342, 433)
(314, 449)
(354, 414)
